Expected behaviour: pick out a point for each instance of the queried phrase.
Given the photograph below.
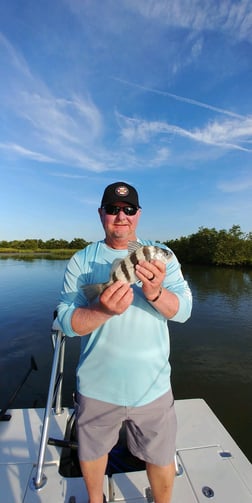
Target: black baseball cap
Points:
(120, 191)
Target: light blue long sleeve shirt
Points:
(125, 361)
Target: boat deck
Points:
(210, 463)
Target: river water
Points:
(211, 355)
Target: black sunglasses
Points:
(110, 209)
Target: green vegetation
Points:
(39, 245)
(53, 248)
(207, 246)
(212, 247)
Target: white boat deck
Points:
(212, 465)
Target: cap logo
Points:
(122, 191)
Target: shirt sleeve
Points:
(175, 282)
(71, 295)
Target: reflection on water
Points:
(211, 355)
(231, 283)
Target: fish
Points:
(124, 269)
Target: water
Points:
(211, 355)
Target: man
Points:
(124, 372)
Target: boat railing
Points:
(54, 398)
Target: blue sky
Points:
(154, 93)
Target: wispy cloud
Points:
(233, 133)
(57, 120)
(226, 16)
(234, 18)
(162, 155)
(244, 182)
(65, 130)
(193, 50)
(228, 134)
(183, 99)
(68, 175)
(71, 130)
(12, 148)
(12, 57)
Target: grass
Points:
(39, 252)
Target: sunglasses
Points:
(110, 209)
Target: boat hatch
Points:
(206, 475)
(212, 474)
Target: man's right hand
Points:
(113, 301)
(116, 298)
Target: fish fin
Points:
(92, 291)
(133, 246)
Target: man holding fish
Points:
(118, 294)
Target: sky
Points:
(156, 93)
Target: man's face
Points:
(120, 226)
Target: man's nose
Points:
(121, 215)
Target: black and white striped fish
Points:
(124, 269)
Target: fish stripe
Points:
(114, 276)
(147, 253)
(133, 258)
(125, 270)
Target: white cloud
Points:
(231, 133)
(236, 185)
(68, 175)
(18, 150)
(228, 134)
(162, 156)
(194, 50)
(234, 18)
(12, 57)
(183, 99)
(65, 130)
(76, 121)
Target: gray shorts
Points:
(150, 429)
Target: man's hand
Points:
(152, 275)
(116, 298)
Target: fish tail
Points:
(93, 291)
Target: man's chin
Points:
(121, 231)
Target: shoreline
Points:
(64, 253)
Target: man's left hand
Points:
(152, 275)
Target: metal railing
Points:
(54, 396)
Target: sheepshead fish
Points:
(124, 269)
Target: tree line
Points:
(212, 247)
(39, 244)
(207, 246)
